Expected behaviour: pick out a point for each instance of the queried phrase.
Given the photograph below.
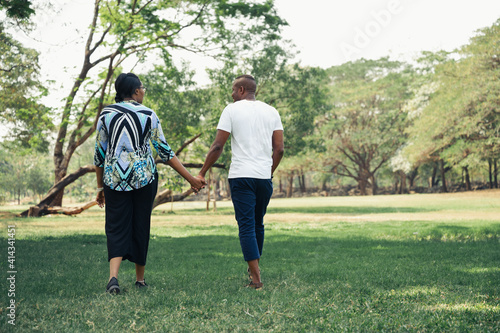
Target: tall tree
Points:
(27, 120)
(423, 86)
(366, 125)
(123, 29)
(460, 124)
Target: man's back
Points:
(251, 124)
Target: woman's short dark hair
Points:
(125, 85)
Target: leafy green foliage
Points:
(300, 95)
(29, 121)
(20, 174)
(139, 30)
(171, 93)
(365, 127)
(461, 122)
(17, 9)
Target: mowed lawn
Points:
(417, 263)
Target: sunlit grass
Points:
(422, 263)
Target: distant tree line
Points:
(366, 123)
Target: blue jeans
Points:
(250, 199)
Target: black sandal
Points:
(113, 287)
(141, 284)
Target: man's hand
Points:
(200, 177)
(197, 183)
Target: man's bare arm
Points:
(215, 151)
(278, 149)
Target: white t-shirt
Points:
(251, 124)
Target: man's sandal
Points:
(141, 284)
(255, 286)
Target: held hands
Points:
(197, 183)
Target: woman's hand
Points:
(100, 199)
(197, 183)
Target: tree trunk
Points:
(299, 178)
(411, 178)
(59, 187)
(58, 198)
(467, 179)
(302, 182)
(216, 182)
(303, 186)
(323, 185)
(443, 178)
(362, 186)
(396, 183)
(490, 172)
(402, 187)
(374, 185)
(434, 181)
(209, 188)
(495, 173)
(289, 191)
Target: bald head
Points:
(244, 87)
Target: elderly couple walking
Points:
(127, 178)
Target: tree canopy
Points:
(17, 9)
(363, 130)
(348, 121)
(460, 123)
(28, 121)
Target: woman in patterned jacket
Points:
(127, 179)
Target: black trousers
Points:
(128, 222)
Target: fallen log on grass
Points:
(37, 211)
(166, 196)
(45, 202)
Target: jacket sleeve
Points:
(158, 140)
(101, 144)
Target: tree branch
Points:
(99, 42)
(59, 210)
(88, 51)
(111, 70)
(12, 68)
(166, 196)
(187, 143)
(59, 186)
(140, 9)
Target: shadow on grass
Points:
(201, 278)
(51, 264)
(314, 210)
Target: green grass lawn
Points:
(419, 263)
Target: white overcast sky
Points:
(325, 32)
(324, 29)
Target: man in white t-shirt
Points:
(257, 148)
